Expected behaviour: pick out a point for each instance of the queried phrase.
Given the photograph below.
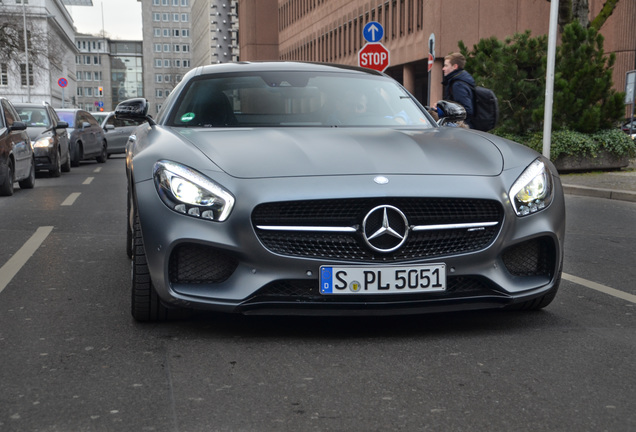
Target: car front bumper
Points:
(229, 267)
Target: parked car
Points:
(294, 188)
(629, 127)
(85, 135)
(49, 137)
(117, 131)
(100, 116)
(17, 163)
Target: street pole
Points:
(26, 52)
(549, 79)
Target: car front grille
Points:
(298, 240)
(198, 264)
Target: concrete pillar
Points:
(408, 74)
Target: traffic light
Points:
(100, 91)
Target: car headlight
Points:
(43, 142)
(187, 191)
(532, 191)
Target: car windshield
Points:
(68, 117)
(33, 117)
(290, 99)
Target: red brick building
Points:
(331, 31)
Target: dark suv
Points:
(49, 137)
(17, 163)
(85, 135)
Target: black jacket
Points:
(458, 87)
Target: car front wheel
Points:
(104, 154)
(29, 182)
(57, 166)
(146, 306)
(6, 189)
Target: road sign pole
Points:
(431, 54)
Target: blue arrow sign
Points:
(373, 32)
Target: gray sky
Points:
(122, 18)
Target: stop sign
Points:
(374, 56)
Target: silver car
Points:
(117, 131)
(292, 188)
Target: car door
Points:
(19, 141)
(88, 132)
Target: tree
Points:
(584, 99)
(12, 42)
(515, 71)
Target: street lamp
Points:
(26, 51)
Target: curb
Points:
(599, 193)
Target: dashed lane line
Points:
(88, 180)
(71, 199)
(601, 288)
(17, 261)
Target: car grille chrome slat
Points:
(330, 228)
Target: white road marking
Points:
(88, 180)
(601, 288)
(71, 199)
(97, 169)
(17, 261)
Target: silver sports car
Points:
(293, 188)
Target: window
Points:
(4, 74)
(184, 2)
(97, 60)
(176, 48)
(158, 78)
(89, 91)
(167, 78)
(157, 32)
(159, 93)
(186, 48)
(175, 2)
(186, 63)
(98, 76)
(176, 32)
(185, 32)
(87, 76)
(87, 60)
(165, 17)
(79, 91)
(156, 16)
(175, 17)
(164, 2)
(23, 77)
(184, 17)
(166, 32)
(157, 62)
(177, 63)
(157, 47)
(155, 2)
(166, 63)
(166, 47)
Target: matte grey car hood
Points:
(286, 152)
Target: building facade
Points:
(167, 55)
(50, 49)
(214, 32)
(331, 31)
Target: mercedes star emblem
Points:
(385, 228)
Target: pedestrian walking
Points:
(459, 84)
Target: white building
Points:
(50, 26)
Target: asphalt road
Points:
(72, 358)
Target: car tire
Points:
(66, 166)
(75, 159)
(29, 182)
(57, 166)
(7, 185)
(129, 233)
(146, 306)
(103, 155)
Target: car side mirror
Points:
(85, 125)
(136, 108)
(450, 112)
(109, 127)
(62, 125)
(18, 126)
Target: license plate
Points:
(383, 280)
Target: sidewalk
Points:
(618, 185)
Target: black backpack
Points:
(485, 109)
